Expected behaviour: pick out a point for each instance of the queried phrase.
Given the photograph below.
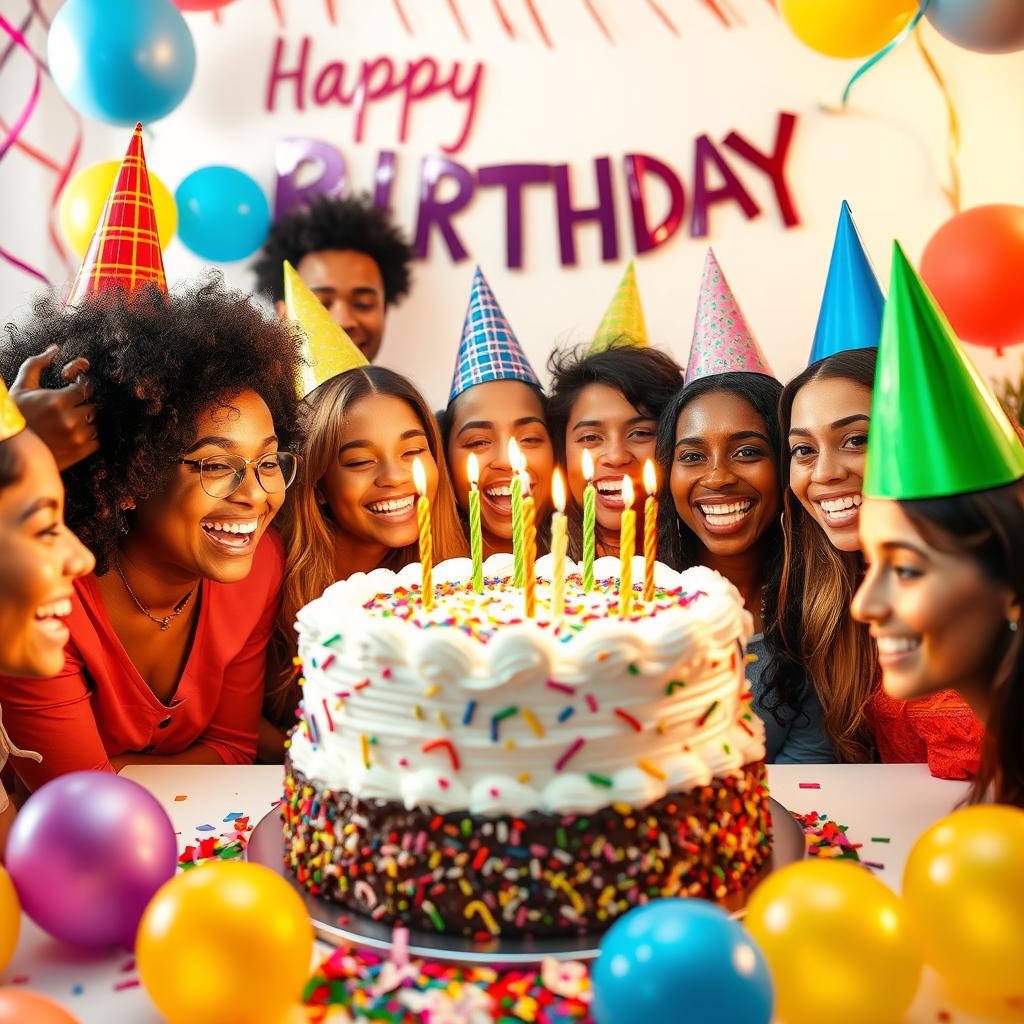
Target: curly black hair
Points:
(329, 223)
(157, 363)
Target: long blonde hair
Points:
(308, 536)
(813, 620)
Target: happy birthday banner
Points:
(299, 79)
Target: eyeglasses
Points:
(221, 475)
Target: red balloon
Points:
(19, 1006)
(200, 5)
(974, 266)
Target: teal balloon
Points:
(986, 26)
(851, 308)
(223, 214)
(680, 961)
(121, 61)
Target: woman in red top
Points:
(195, 400)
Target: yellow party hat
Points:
(623, 321)
(11, 420)
(328, 350)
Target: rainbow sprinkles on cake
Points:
(468, 770)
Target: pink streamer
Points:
(403, 17)
(454, 8)
(507, 25)
(718, 12)
(530, 6)
(22, 265)
(332, 14)
(26, 112)
(589, 4)
(665, 19)
(278, 13)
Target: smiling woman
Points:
(166, 654)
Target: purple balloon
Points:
(86, 854)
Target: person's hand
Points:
(62, 417)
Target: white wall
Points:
(650, 92)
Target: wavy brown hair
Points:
(813, 620)
(988, 526)
(306, 526)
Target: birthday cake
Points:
(466, 770)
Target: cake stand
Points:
(339, 926)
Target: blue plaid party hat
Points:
(489, 349)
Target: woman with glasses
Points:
(195, 400)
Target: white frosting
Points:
(386, 687)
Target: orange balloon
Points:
(19, 1006)
(974, 266)
(10, 919)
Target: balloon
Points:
(10, 920)
(847, 28)
(974, 265)
(223, 214)
(20, 1006)
(228, 941)
(121, 62)
(838, 944)
(81, 204)
(86, 853)
(201, 5)
(963, 885)
(680, 959)
(987, 26)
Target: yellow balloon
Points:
(837, 942)
(10, 919)
(228, 941)
(84, 196)
(847, 28)
(964, 888)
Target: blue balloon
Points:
(223, 214)
(121, 62)
(986, 26)
(680, 961)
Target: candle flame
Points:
(473, 471)
(419, 477)
(515, 456)
(650, 478)
(627, 492)
(588, 465)
(558, 491)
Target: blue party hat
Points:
(851, 308)
(489, 349)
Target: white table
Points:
(893, 801)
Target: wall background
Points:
(650, 92)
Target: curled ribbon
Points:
(11, 135)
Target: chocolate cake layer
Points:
(539, 874)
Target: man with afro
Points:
(349, 254)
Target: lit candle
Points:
(529, 549)
(650, 528)
(627, 545)
(426, 541)
(515, 461)
(589, 521)
(559, 543)
(476, 543)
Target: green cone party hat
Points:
(936, 428)
(623, 321)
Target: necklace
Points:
(165, 622)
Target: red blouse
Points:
(940, 729)
(100, 706)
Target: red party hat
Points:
(125, 248)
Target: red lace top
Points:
(940, 729)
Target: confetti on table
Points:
(204, 828)
(179, 798)
(810, 785)
(121, 986)
(828, 839)
(77, 990)
(233, 815)
(879, 839)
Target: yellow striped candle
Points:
(589, 521)
(529, 550)
(650, 528)
(476, 544)
(627, 547)
(515, 461)
(426, 540)
(559, 543)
